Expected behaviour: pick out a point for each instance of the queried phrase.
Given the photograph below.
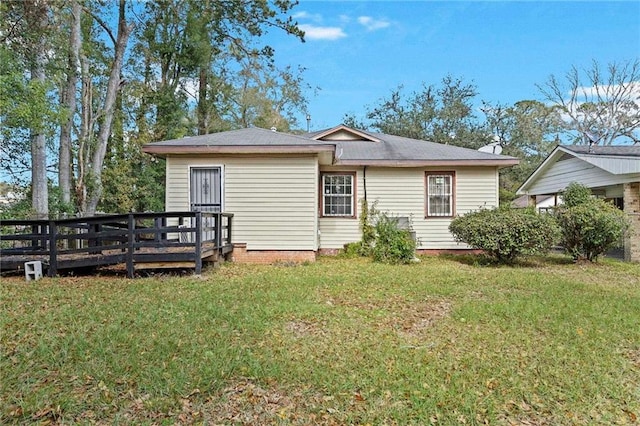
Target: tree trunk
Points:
(203, 122)
(39, 188)
(69, 104)
(38, 19)
(113, 87)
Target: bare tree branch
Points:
(602, 108)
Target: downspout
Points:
(364, 181)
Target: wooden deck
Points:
(135, 241)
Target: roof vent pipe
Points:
(273, 129)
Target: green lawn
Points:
(446, 341)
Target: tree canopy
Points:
(85, 83)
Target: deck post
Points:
(130, 235)
(198, 251)
(229, 227)
(53, 249)
(218, 227)
(40, 243)
(158, 223)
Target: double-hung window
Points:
(338, 194)
(440, 194)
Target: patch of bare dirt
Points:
(634, 357)
(245, 402)
(409, 318)
(414, 319)
(305, 328)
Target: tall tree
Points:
(89, 183)
(202, 51)
(596, 106)
(68, 103)
(26, 31)
(37, 18)
(73, 89)
(441, 114)
(19, 106)
(527, 130)
(267, 98)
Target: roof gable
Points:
(343, 133)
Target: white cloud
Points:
(313, 32)
(300, 15)
(345, 19)
(630, 90)
(372, 24)
(306, 15)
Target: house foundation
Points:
(240, 254)
(632, 209)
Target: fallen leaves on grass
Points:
(413, 319)
(304, 328)
(246, 402)
(634, 357)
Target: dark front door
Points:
(206, 195)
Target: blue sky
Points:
(356, 52)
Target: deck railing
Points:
(111, 239)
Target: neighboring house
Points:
(612, 172)
(293, 196)
(543, 203)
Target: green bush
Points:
(576, 194)
(355, 249)
(506, 233)
(392, 244)
(368, 214)
(589, 226)
(382, 238)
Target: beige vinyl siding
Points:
(273, 198)
(402, 192)
(562, 173)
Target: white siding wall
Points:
(562, 173)
(401, 192)
(274, 199)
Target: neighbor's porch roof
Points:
(616, 160)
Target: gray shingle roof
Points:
(253, 136)
(381, 149)
(398, 148)
(613, 150)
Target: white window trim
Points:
(451, 194)
(352, 175)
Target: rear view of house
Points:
(294, 196)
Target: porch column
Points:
(632, 209)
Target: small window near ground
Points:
(338, 195)
(440, 194)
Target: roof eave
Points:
(164, 150)
(429, 163)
